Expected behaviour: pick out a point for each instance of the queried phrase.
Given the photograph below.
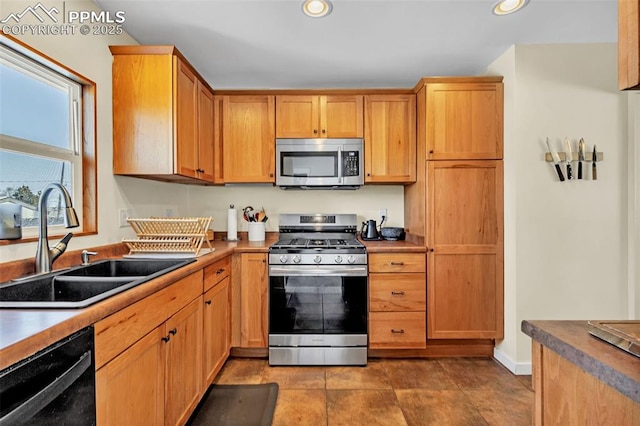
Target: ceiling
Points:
(243, 44)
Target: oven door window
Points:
(309, 164)
(318, 305)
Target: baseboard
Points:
(517, 368)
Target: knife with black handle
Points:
(580, 157)
(556, 162)
(569, 155)
(594, 169)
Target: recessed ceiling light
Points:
(505, 7)
(317, 8)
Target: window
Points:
(46, 135)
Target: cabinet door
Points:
(390, 138)
(217, 329)
(297, 116)
(253, 300)
(248, 139)
(464, 121)
(186, 113)
(183, 363)
(218, 153)
(341, 116)
(206, 156)
(465, 243)
(629, 44)
(130, 388)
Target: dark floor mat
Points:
(237, 405)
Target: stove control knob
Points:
(338, 259)
(351, 259)
(283, 259)
(317, 259)
(296, 259)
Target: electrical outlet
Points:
(124, 215)
(382, 212)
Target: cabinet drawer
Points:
(397, 262)
(216, 272)
(117, 332)
(397, 292)
(397, 330)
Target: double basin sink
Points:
(82, 286)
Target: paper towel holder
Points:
(232, 224)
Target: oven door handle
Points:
(312, 271)
(54, 389)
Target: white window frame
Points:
(73, 154)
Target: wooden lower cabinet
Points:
(217, 329)
(253, 300)
(183, 378)
(130, 388)
(567, 395)
(397, 301)
(157, 378)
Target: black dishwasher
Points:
(55, 386)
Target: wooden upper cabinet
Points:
(314, 116)
(629, 44)
(465, 249)
(464, 121)
(162, 116)
(390, 138)
(248, 139)
(186, 114)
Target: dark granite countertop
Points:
(572, 341)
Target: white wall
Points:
(565, 243)
(89, 55)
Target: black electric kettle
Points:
(369, 231)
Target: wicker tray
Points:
(169, 235)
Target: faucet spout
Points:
(44, 255)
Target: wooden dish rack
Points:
(169, 235)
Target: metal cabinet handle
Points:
(397, 293)
(207, 302)
(173, 332)
(315, 131)
(397, 263)
(219, 271)
(166, 338)
(324, 131)
(396, 331)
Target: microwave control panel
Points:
(351, 163)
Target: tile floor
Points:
(451, 391)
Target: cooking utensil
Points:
(556, 162)
(248, 214)
(569, 158)
(594, 159)
(392, 233)
(580, 157)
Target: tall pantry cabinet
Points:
(456, 205)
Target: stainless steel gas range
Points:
(318, 292)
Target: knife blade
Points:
(556, 162)
(569, 158)
(580, 157)
(594, 169)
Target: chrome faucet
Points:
(44, 255)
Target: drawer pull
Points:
(397, 293)
(166, 338)
(208, 302)
(397, 263)
(397, 331)
(173, 332)
(219, 271)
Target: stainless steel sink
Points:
(82, 286)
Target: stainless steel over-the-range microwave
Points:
(319, 163)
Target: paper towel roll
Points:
(232, 224)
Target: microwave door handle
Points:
(44, 397)
(340, 164)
